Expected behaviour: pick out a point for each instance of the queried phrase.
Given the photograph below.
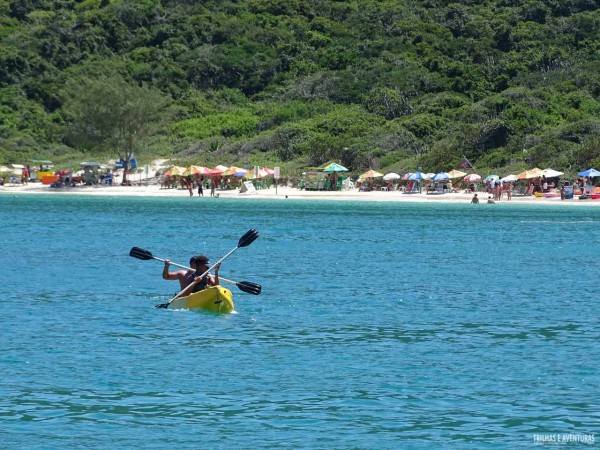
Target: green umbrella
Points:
(334, 167)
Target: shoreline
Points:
(283, 193)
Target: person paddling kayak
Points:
(202, 264)
(185, 277)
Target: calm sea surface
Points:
(379, 325)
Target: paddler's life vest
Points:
(203, 284)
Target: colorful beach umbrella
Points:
(472, 177)
(233, 171)
(417, 176)
(334, 167)
(371, 174)
(440, 176)
(174, 171)
(533, 173)
(193, 170)
(491, 177)
(261, 173)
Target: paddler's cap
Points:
(202, 260)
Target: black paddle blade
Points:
(162, 305)
(140, 253)
(250, 288)
(248, 238)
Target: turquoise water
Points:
(379, 326)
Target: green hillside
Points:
(386, 84)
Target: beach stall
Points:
(90, 172)
(41, 168)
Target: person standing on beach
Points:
(212, 188)
(200, 190)
(475, 199)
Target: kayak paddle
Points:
(248, 238)
(244, 286)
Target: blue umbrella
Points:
(441, 176)
(589, 173)
(417, 176)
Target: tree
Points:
(110, 114)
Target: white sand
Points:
(283, 193)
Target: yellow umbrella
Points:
(371, 174)
(193, 170)
(456, 173)
(533, 173)
(175, 170)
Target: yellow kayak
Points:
(215, 298)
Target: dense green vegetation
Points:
(387, 84)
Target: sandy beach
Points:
(283, 193)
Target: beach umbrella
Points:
(193, 170)
(371, 174)
(334, 167)
(221, 168)
(456, 173)
(472, 177)
(261, 173)
(589, 173)
(441, 176)
(391, 176)
(209, 172)
(233, 170)
(533, 173)
(509, 178)
(491, 177)
(173, 171)
(417, 176)
(551, 173)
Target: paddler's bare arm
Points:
(216, 277)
